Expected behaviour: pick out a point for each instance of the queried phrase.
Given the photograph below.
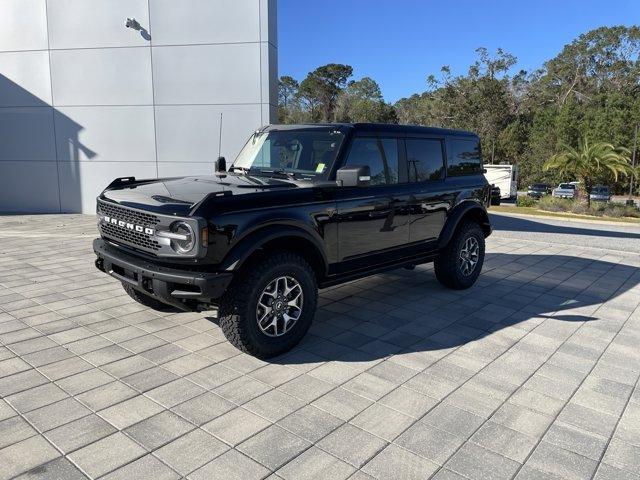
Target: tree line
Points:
(590, 90)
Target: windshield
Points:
(601, 189)
(300, 153)
(538, 186)
(567, 186)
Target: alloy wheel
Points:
(279, 306)
(469, 255)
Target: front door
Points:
(373, 221)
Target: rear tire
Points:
(264, 331)
(146, 300)
(454, 266)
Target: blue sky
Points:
(399, 42)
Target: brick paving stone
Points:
(236, 426)
(382, 421)
(394, 462)
(230, 466)
(58, 469)
(342, 403)
(260, 447)
(557, 461)
(79, 433)
(106, 454)
(56, 414)
(623, 455)
(158, 430)
(106, 395)
(352, 444)
(314, 464)
(203, 408)
(274, 405)
(507, 442)
(129, 412)
(478, 463)
(310, 423)
(429, 442)
(145, 468)
(25, 455)
(13, 430)
(191, 451)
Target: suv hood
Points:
(180, 195)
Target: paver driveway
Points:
(530, 374)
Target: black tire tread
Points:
(235, 300)
(446, 263)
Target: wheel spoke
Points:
(294, 301)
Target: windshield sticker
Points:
(320, 168)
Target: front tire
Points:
(269, 308)
(459, 264)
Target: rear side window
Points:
(381, 154)
(424, 159)
(464, 157)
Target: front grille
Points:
(131, 237)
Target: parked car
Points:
(600, 193)
(538, 190)
(496, 197)
(302, 207)
(565, 190)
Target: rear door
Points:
(429, 197)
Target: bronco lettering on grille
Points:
(127, 225)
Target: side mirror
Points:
(221, 165)
(354, 176)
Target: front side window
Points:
(425, 159)
(380, 154)
(464, 157)
(305, 153)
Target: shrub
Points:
(552, 204)
(523, 201)
(620, 210)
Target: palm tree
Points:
(589, 160)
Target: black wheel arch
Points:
(273, 238)
(464, 211)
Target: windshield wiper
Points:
(278, 171)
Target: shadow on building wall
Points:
(40, 168)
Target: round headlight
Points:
(185, 238)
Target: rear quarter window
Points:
(464, 157)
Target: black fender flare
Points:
(465, 209)
(257, 239)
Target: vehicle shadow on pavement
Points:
(403, 312)
(507, 223)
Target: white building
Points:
(83, 99)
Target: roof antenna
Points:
(220, 137)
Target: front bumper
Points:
(184, 289)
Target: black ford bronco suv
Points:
(302, 207)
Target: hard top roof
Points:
(375, 128)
